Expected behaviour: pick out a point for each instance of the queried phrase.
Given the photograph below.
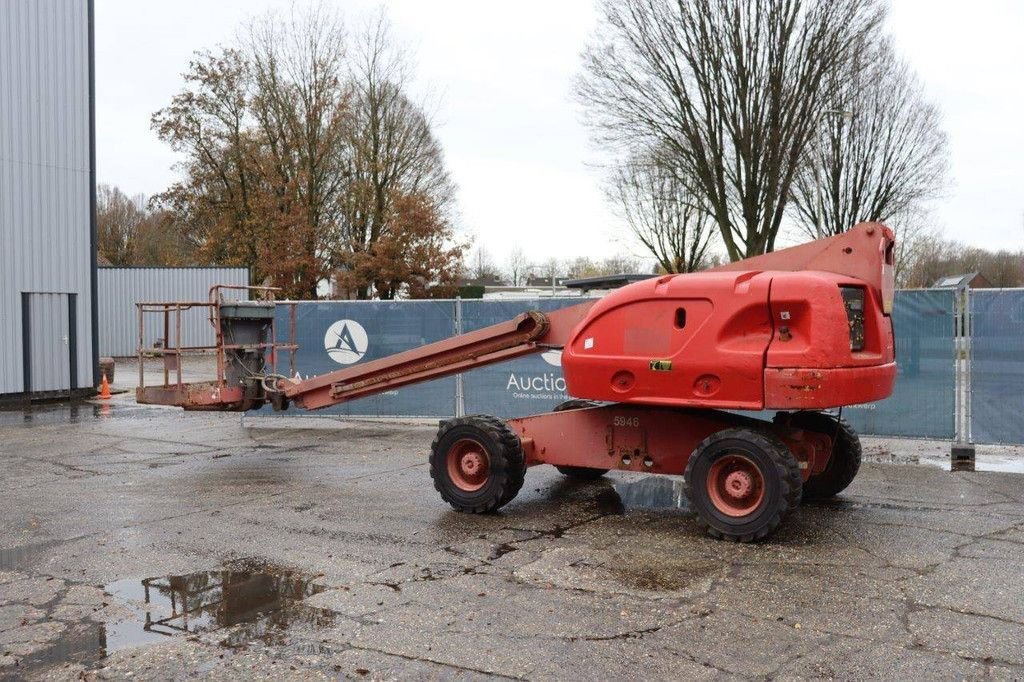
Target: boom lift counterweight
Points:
(656, 364)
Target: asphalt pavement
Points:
(154, 543)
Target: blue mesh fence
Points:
(922, 403)
(336, 334)
(997, 367)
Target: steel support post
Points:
(962, 451)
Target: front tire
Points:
(477, 464)
(844, 462)
(742, 483)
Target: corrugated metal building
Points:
(47, 198)
(121, 288)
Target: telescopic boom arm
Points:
(527, 333)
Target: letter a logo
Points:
(346, 342)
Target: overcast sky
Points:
(500, 75)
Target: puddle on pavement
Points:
(73, 412)
(52, 413)
(1011, 464)
(258, 601)
(1014, 465)
(649, 492)
(663, 492)
(265, 598)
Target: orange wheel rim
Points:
(468, 465)
(735, 485)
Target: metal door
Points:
(49, 342)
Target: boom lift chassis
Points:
(743, 475)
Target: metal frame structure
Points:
(217, 393)
(962, 450)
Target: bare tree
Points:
(553, 268)
(917, 239)
(581, 266)
(880, 152)
(481, 265)
(392, 150)
(731, 89)
(516, 265)
(299, 101)
(158, 243)
(662, 212)
(585, 267)
(130, 232)
(213, 203)
(117, 223)
(938, 257)
(305, 158)
(546, 273)
(621, 264)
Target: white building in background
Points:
(48, 331)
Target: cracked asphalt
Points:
(913, 572)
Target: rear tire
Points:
(844, 462)
(579, 473)
(477, 463)
(742, 483)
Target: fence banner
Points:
(521, 387)
(336, 334)
(922, 403)
(997, 365)
(333, 334)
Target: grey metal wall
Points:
(121, 288)
(46, 173)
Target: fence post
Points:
(460, 396)
(961, 453)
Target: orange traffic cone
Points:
(104, 388)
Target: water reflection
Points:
(649, 492)
(257, 600)
(263, 596)
(69, 412)
(74, 412)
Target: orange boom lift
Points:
(653, 367)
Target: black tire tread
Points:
(786, 466)
(846, 456)
(510, 477)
